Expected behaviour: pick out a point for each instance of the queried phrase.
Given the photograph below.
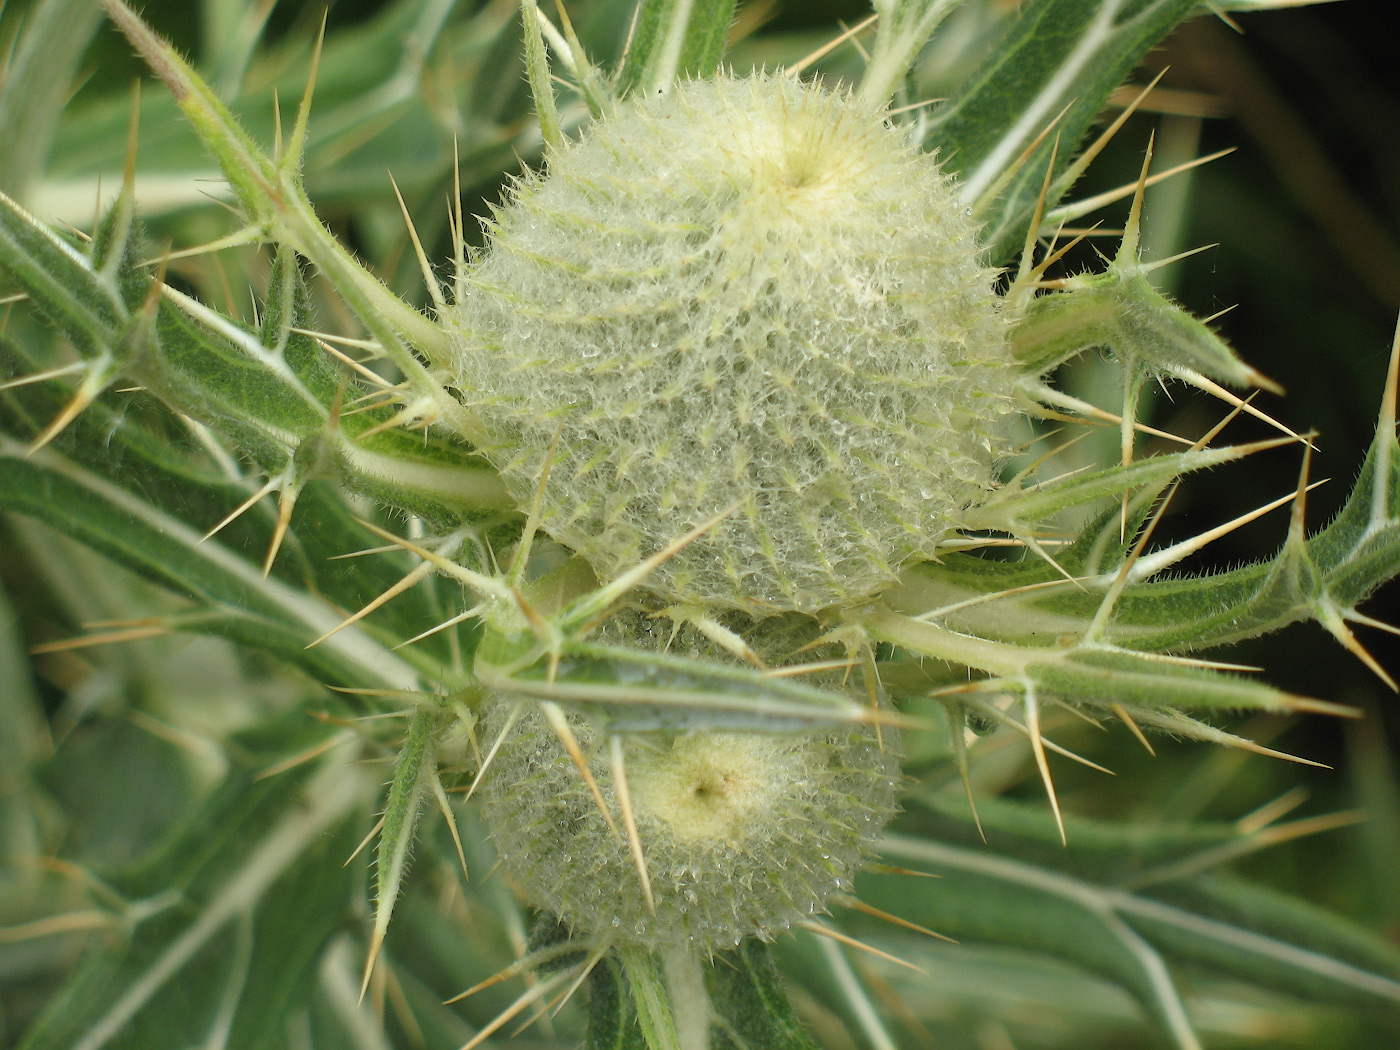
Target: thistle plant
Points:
(640, 599)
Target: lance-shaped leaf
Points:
(272, 392)
(1121, 310)
(271, 193)
(650, 999)
(672, 39)
(61, 281)
(1089, 675)
(132, 444)
(1323, 577)
(231, 595)
(612, 1012)
(748, 997)
(413, 777)
(637, 690)
(1070, 903)
(1057, 59)
(1016, 508)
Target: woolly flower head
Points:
(749, 293)
(744, 833)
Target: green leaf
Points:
(673, 39)
(370, 105)
(637, 690)
(1121, 311)
(407, 796)
(650, 999)
(223, 927)
(1003, 894)
(61, 282)
(1054, 56)
(904, 28)
(1041, 635)
(276, 205)
(537, 69)
(272, 391)
(612, 1013)
(1017, 509)
(1323, 577)
(232, 596)
(22, 732)
(751, 1008)
(1237, 927)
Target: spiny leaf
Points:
(1325, 576)
(649, 999)
(1054, 56)
(1121, 310)
(407, 796)
(747, 992)
(279, 206)
(612, 1013)
(1014, 508)
(272, 392)
(163, 548)
(633, 690)
(61, 282)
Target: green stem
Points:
(690, 1001)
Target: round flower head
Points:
(742, 833)
(749, 295)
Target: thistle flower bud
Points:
(750, 293)
(742, 833)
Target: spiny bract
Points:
(748, 293)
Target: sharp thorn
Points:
(629, 817)
(418, 572)
(378, 827)
(286, 501)
(554, 715)
(822, 930)
(1031, 706)
(1122, 713)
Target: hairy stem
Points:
(690, 1002)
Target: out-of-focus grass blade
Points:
(224, 927)
(21, 741)
(1005, 894)
(36, 86)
